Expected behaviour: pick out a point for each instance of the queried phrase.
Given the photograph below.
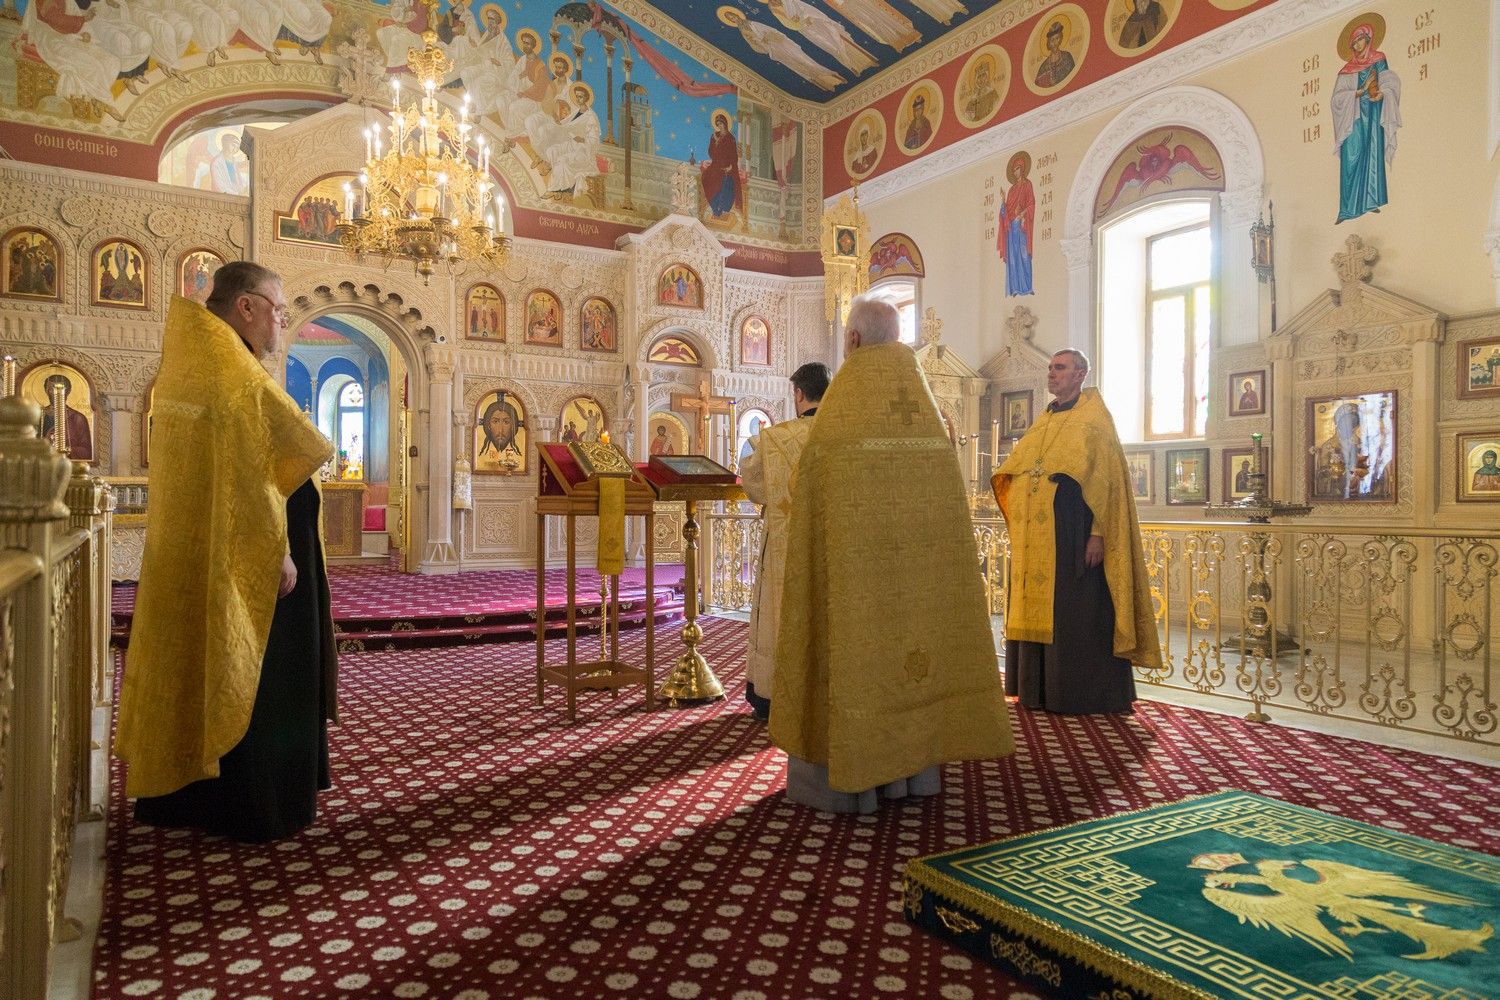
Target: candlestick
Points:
(59, 418)
(974, 458)
(10, 375)
(994, 446)
(1256, 454)
(348, 201)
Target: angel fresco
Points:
(1190, 162)
(92, 46)
(1348, 894)
(880, 21)
(823, 31)
(771, 42)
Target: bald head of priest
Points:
(230, 674)
(885, 665)
(1067, 495)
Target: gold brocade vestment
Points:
(767, 473)
(228, 446)
(1080, 443)
(885, 664)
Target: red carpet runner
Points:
(377, 608)
(478, 847)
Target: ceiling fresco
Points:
(148, 75)
(817, 49)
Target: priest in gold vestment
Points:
(885, 664)
(767, 476)
(229, 676)
(1076, 556)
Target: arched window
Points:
(896, 272)
(1158, 293)
(341, 416)
(901, 293)
(351, 431)
(1156, 319)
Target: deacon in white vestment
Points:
(767, 474)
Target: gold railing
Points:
(731, 554)
(54, 673)
(1389, 626)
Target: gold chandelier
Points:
(429, 197)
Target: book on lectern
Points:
(689, 469)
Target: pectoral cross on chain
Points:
(704, 406)
(1036, 474)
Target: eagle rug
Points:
(1227, 895)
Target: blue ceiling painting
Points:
(817, 49)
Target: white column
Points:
(439, 555)
(124, 410)
(1239, 288)
(1078, 253)
(1492, 248)
(642, 419)
(1421, 420)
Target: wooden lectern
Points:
(691, 478)
(569, 488)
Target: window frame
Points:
(883, 290)
(1189, 365)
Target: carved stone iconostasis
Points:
(606, 307)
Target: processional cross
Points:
(704, 405)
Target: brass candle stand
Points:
(1260, 636)
(691, 678)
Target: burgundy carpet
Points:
(475, 846)
(377, 608)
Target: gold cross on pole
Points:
(703, 406)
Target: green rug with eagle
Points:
(1226, 895)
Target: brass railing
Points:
(54, 673)
(1389, 626)
(731, 554)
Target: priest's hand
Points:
(1093, 552)
(288, 576)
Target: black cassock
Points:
(268, 784)
(1078, 672)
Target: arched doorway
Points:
(352, 378)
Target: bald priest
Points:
(885, 663)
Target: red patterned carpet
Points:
(477, 847)
(375, 607)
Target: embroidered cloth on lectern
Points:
(609, 556)
(228, 446)
(1080, 443)
(885, 664)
